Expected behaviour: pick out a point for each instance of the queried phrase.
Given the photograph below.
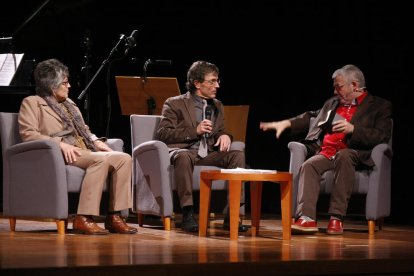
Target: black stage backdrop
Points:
(276, 56)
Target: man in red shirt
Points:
(364, 121)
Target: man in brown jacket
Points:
(193, 128)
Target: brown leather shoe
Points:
(115, 224)
(86, 225)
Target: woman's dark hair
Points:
(48, 75)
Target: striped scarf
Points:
(72, 120)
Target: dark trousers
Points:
(184, 161)
(311, 171)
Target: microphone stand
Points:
(150, 101)
(30, 17)
(86, 70)
(144, 70)
(122, 37)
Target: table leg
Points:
(286, 207)
(256, 188)
(234, 198)
(205, 194)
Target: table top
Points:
(248, 175)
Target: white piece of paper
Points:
(243, 170)
(8, 67)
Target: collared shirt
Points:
(199, 112)
(333, 142)
(198, 102)
(199, 108)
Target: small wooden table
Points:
(235, 181)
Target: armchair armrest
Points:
(378, 201)
(33, 145)
(26, 188)
(154, 159)
(115, 144)
(380, 151)
(159, 146)
(298, 153)
(237, 145)
(152, 178)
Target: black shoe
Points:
(189, 224)
(242, 228)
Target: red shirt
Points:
(333, 142)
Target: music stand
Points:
(139, 97)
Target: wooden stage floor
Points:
(36, 249)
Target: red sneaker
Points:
(304, 227)
(335, 227)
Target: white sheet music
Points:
(243, 170)
(8, 67)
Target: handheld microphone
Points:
(207, 115)
(131, 41)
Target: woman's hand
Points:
(102, 146)
(69, 152)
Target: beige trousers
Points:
(98, 165)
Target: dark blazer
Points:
(372, 126)
(178, 126)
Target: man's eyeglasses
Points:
(65, 83)
(212, 82)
